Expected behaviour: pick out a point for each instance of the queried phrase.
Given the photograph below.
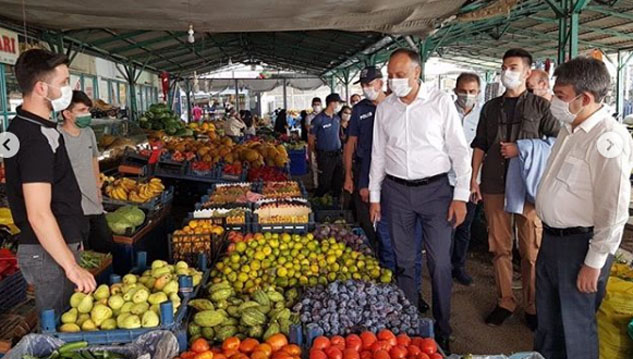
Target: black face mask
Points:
(530, 90)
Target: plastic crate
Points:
(187, 247)
(153, 205)
(235, 178)
(331, 216)
(169, 320)
(172, 168)
(299, 228)
(259, 188)
(12, 291)
(298, 162)
(236, 227)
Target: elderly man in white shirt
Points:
(418, 138)
(583, 201)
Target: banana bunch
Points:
(105, 180)
(126, 189)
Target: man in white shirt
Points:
(418, 138)
(583, 201)
(467, 89)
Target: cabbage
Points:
(132, 214)
(118, 223)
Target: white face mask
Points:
(345, 117)
(62, 103)
(316, 108)
(400, 87)
(511, 79)
(466, 101)
(560, 110)
(370, 93)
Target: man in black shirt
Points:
(43, 193)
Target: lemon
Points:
(282, 272)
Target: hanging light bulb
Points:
(230, 62)
(191, 38)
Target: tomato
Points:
(417, 341)
(388, 336)
(188, 355)
(200, 345)
(277, 341)
(339, 342)
(398, 352)
(292, 349)
(423, 356)
(204, 355)
(350, 353)
(334, 352)
(230, 352)
(428, 346)
(248, 345)
(317, 354)
(218, 355)
(259, 355)
(232, 343)
(264, 347)
(403, 340)
(368, 339)
(239, 356)
(365, 354)
(280, 354)
(381, 354)
(436, 356)
(321, 343)
(353, 341)
(413, 350)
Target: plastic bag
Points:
(522, 355)
(614, 315)
(159, 344)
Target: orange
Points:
(232, 343)
(277, 341)
(248, 345)
(264, 347)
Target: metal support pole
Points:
(188, 90)
(3, 99)
(130, 76)
(237, 97)
(285, 95)
(332, 84)
(259, 104)
(562, 35)
(620, 88)
(573, 35)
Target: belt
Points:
(564, 232)
(419, 182)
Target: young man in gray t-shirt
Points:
(81, 146)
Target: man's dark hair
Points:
(315, 100)
(79, 97)
(36, 65)
(585, 75)
(523, 54)
(468, 77)
(355, 95)
(414, 56)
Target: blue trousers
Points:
(428, 204)
(461, 240)
(566, 317)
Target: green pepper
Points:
(71, 347)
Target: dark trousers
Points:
(331, 173)
(100, 237)
(566, 317)
(461, 239)
(361, 210)
(406, 207)
(52, 288)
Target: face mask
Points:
(511, 79)
(466, 100)
(339, 107)
(560, 110)
(316, 108)
(400, 87)
(370, 93)
(84, 120)
(62, 103)
(345, 117)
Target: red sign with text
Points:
(9, 47)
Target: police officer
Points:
(583, 201)
(325, 141)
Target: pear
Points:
(160, 272)
(197, 278)
(82, 318)
(116, 302)
(140, 308)
(85, 306)
(171, 287)
(103, 301)
(131, 322)
(116, 288)
(102, 292)
(129, 294)
(150, 282)
(140, 296)
(121, 318)
(108, 324)
(172, 268)
(127, 307)
(76, 298)
(70, 316)
(69, 328)
(89, 325)
(155, 308)
(129, 279)
(100, 313)
(157, 298)
(147, 273)
(182, 265)
(181, 271)
(150, 319)
(158, 264)
(162, 281)
(128, 287)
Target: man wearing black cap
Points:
(324, 139)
